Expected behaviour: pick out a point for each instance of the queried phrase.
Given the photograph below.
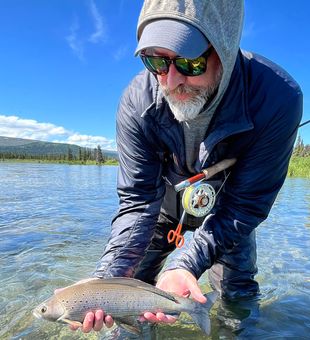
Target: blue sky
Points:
(65, 63)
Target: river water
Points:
(55, 221)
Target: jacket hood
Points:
(220, 21)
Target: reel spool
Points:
(198, 199)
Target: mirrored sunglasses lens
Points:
(191, 67)
(156, 65)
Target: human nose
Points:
(174, 77)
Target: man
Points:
(199, 101)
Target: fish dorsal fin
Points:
(126, 281)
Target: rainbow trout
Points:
(125, 299)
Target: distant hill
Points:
(32, 147)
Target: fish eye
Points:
(43, 309)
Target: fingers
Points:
(157, 318)
(98, 320)
(95, 321)
(109, 321)
(196, 293)
(181, 282)
(165, 318)
(88, 322)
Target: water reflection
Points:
(55, 220)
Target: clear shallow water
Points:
(55, 221)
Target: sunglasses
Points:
(159, 65)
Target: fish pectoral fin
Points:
(129, 323)
(130, 328)
(72, 323)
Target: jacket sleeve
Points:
(249, 193)
(140, 190)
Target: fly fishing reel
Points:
(198, 199)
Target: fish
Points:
(125, 299)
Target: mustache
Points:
(184, 89)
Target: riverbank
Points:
(298, 167)
(73, 162)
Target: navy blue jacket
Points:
(256, 122)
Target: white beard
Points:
(190, 109)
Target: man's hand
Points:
(95, 321)
(180, 282)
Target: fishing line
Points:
(304, 123)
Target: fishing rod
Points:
(304, 123)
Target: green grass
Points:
(299, 167)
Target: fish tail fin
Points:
(200, 314)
